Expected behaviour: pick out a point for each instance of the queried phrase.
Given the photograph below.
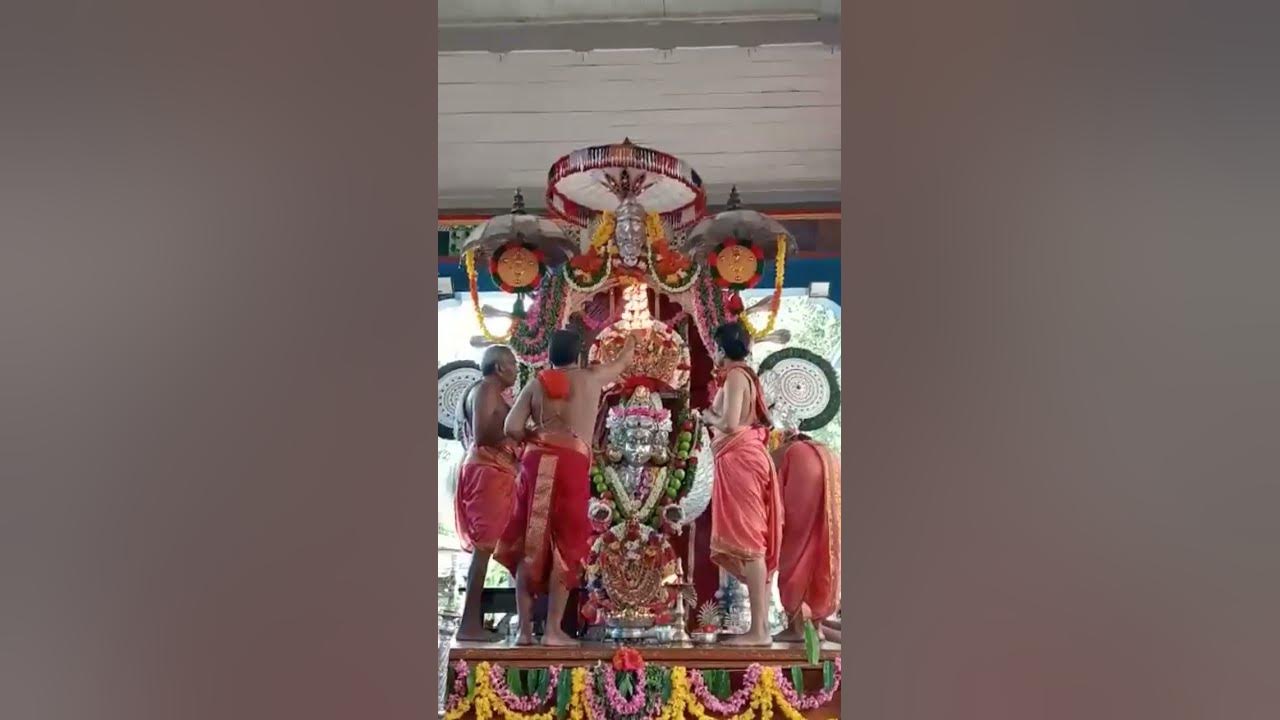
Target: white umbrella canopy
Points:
(545, 234)
(741, 223)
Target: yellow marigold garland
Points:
(779, 267)
(470, 260)
(576, 700)
(604, 231)
(487, 704)
(653, 229)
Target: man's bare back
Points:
(576, 414)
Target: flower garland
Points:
(619, 704)
(732, 704)
(811, 702)
(604, 231)
(763, 690)
(594, 264)
(470, 260)
(621, 499)
(664, 261)
(532, 337)
(776, 300)
(459, 685)
(708, 307)
(576, 704)
(498, 681)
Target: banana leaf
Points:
(515, 681)
(797, 679)
(541, 678)
(717, 682)
(625, 685)
(828, 675)
(811, 643)
(471, 682)
(564, 690)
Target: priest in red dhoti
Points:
(485, 495)
(746, 512)
(809, 563)
(549, 534)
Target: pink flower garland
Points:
(616, 701)
(459, 685)
(650, 703)
(811, 702)
(498, 681)
(733, 704)
(595, 710)
(652, 706)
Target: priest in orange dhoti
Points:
(809, 562)
(485, 496)
(549, 534)
(746, 512)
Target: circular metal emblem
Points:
(453, 380)
(736, 264)
(800, 385)
(517, 267)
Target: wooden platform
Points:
(688, 655)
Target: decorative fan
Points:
(698, 498)
(453, 380)
(800, 386)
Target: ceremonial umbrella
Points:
(545, 234)
(738, 222)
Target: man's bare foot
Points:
(558, 638)
(525, 638)
(751, 638)
(478, 635)
(790, 635)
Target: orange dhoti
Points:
(550, 529)
(746, 512)
(809, 566)
(485, 497)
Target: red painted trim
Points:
(448, 219)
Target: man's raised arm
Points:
(611, 371)
(517, 420)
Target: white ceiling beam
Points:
(659, 34)
(452, 12)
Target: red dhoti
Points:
(746, 512)
(485, 497)
(809, 564)
(550, 529)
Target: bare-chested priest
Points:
(746, 505)
(548, 535)
(485, 497)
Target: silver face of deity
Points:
(629, 232)
(637, 447)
